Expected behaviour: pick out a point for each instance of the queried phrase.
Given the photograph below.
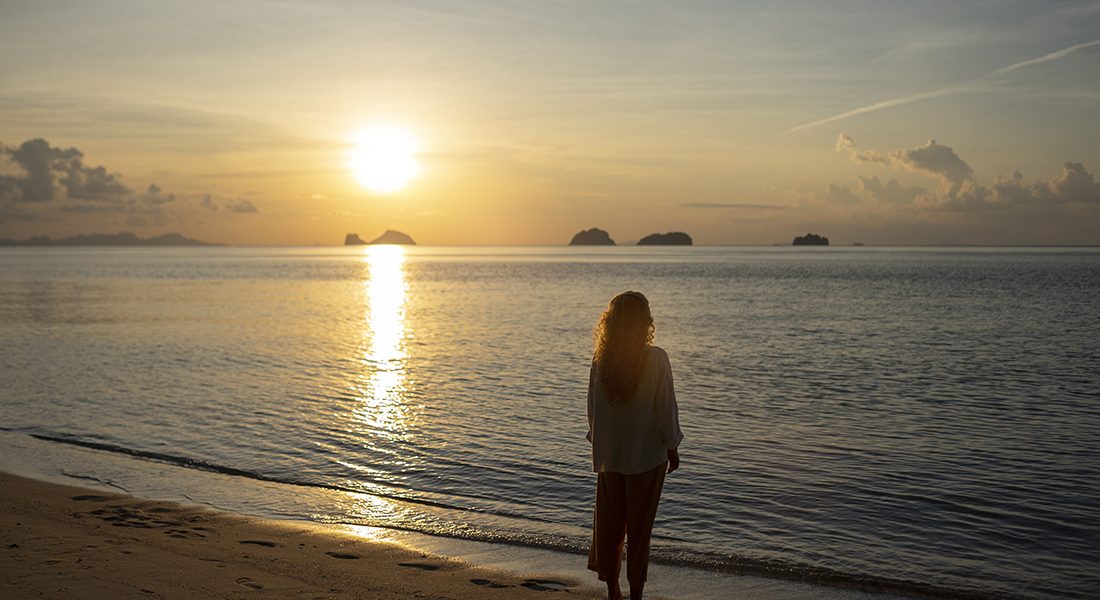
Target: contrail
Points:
(1045, 58)
(945, 91)
(877, 106)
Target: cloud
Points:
(244, 206)
(890, 192)
(935, 159)
(848, 145)
(241, 206)
(958, 188)
(9, 187)
(86, 208)
(35, 157)
(50, 172)
(975, 84)
(46, 183)
(742, 205)
(833, 196)
(1075, 184)
(92, 183)
(931, 159)
(154, 196)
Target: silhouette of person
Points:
(634, 428)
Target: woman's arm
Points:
(591, 382)
(668, 413)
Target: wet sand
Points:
(58, 541)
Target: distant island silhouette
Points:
(592, 237)
(124, 238)
(672, 238)
(810, 239)
(390, 237)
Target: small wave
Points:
(668, 554)
(203, 465)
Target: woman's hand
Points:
(673, 459)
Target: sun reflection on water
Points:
(383, 392)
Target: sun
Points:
(384, 158)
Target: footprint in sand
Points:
(421, 566)
(122, 517)
(184, 534)
(264, 543)
(343, 555)
(545, 585)
(248, 583)
(488, 583)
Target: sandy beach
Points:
(69, 542)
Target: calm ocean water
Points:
(915, 420)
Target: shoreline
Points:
(63, 541)
(92, 471)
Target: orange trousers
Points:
(625, 508)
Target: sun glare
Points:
(384, 158)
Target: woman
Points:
(634, 429)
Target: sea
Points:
(859, 421)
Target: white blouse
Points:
(635, 437)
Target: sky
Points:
(882, 122)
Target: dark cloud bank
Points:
(40, 182)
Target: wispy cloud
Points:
(733, 205)
(972, 85)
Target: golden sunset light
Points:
(383, 159)
(599, 117)
(472, 279)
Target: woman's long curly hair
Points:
(622, 335)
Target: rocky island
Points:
(592, 237)
(810, 239)
(390, 237)
(672, 238)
